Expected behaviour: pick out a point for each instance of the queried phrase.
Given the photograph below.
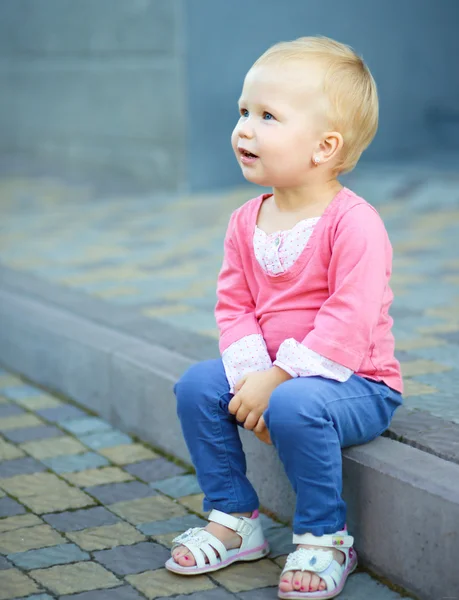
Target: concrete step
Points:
(403, 502)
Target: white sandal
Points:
(322, 562)
(203, 544)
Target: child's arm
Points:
(358, 277)
(242, 345)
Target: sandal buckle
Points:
(244, 527)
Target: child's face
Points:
(283, 116)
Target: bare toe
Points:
(187, 560)
(315, 581)
(297, 581)
(322, 585)
(285, 584)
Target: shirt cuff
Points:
(245, 356)
(300, 361)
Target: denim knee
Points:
(287, 407)
(195, 386)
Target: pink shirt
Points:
(334, 299)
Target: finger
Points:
(251, 420)
(234, 405)
(242, 413)
(261, 425)
(240, 383)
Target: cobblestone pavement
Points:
(160, 257)
(87, 513)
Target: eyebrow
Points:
(266, 107)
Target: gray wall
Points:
(411, 46)
(94, 86)
(147, 89)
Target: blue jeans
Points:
(309, 419)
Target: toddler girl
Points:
(303, 311)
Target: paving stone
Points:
(126, 560)
(8, 380)
(165, 539)
(19, 436)
(361, 586)
(126, 592)
(127, 454)
(217, 594)
(19, 522)
(9, 507)
(8, 451)
(53, 447)
(38, 402)
(92, 477)
(20, 466)
(85, 425)
(29, 538)
(155, 470)
(10, 410)
(105, 439)
(31, 485)
(194, 503)
(422, 367)
(157, 508)
(45, 493)
(242, 577)
(75, 462)
(109, 536)
(19, 422)
(79, 577)
(38, 597)
(16, 584)
(268, 593)
(414, 388)
(183, 485)
(5, 564)
(121, 492)
(61, 413)
(81, 519)
(280, 541)
(19, 391)
(176, 525)
(162, 583)
(48, 557)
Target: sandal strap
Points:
(202, 544)
(336, 540)
(240, 525)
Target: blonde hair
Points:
(348, 85)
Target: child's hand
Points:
(261, 431)
(253, 392)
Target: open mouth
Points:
(247, 154)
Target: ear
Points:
(330, 146)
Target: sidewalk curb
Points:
(403, 502)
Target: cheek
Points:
(234, 138)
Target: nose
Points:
(245, 129)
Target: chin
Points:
(257, 179)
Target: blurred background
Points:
(148, 89)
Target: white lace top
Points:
(277, 252)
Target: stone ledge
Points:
(406, 500)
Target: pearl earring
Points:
(316, 160)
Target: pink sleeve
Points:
(235, 309)
(359, 271)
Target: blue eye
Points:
(268, 116)
(244, 112)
